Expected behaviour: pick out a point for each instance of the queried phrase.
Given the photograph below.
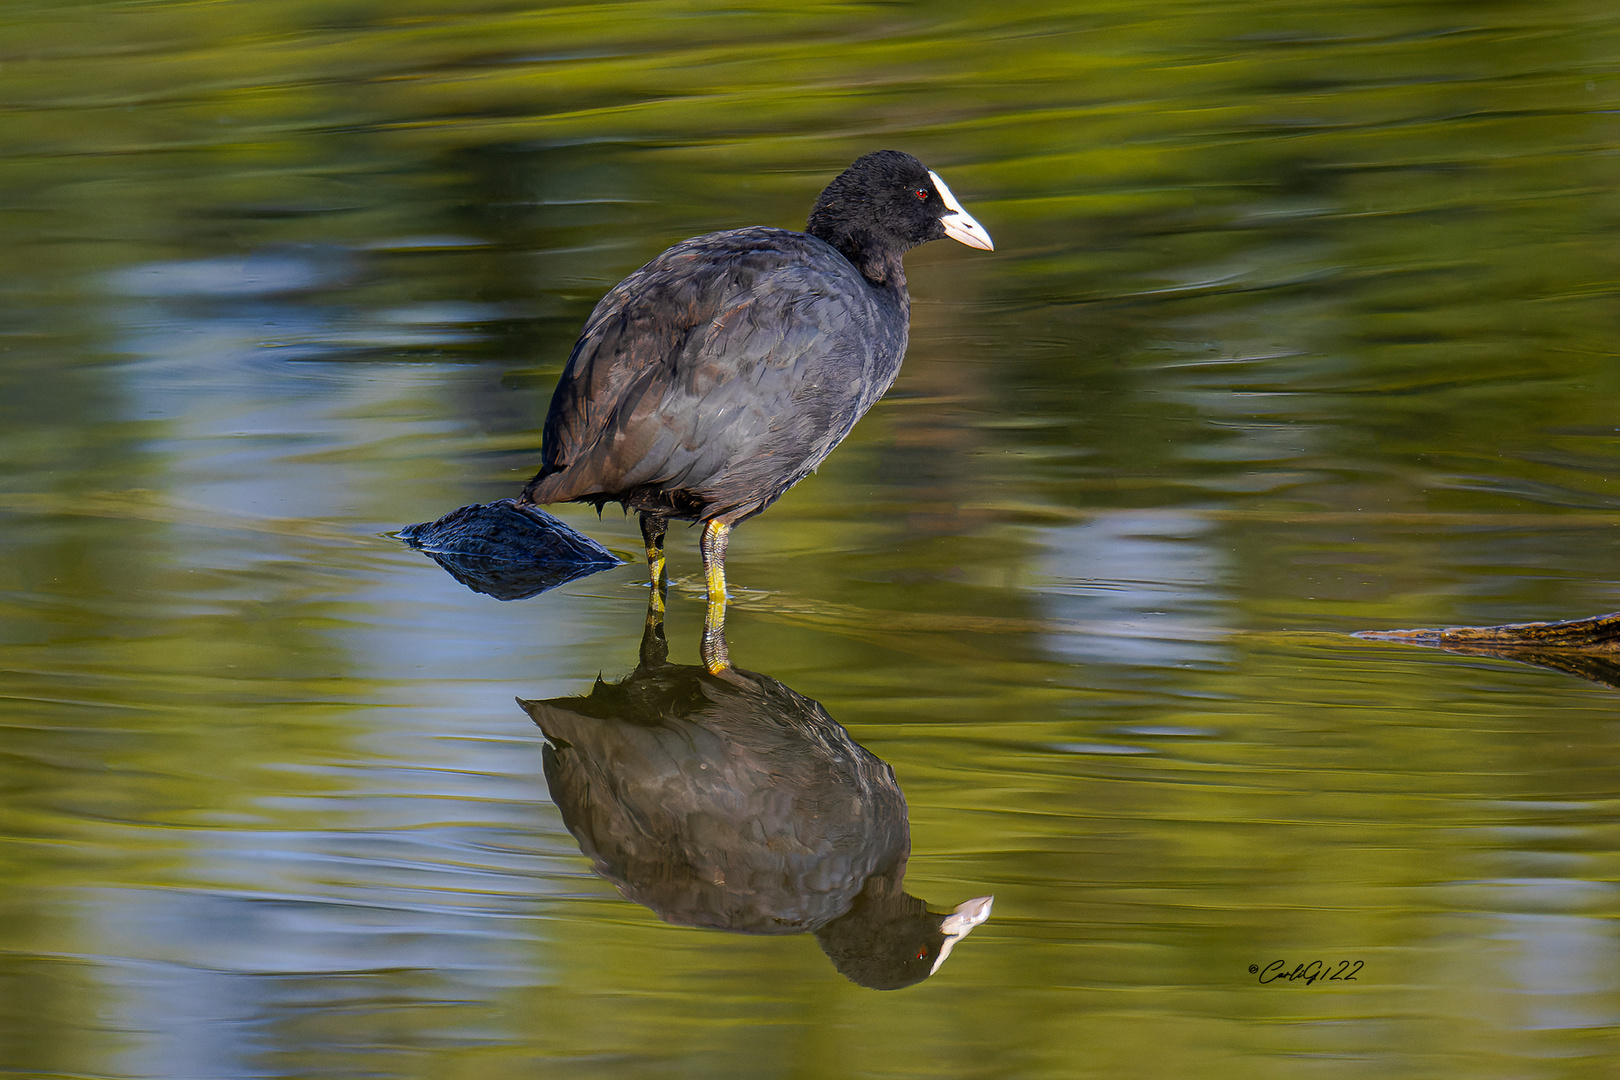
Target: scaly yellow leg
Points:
(715, 537)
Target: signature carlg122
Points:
(1315, 971)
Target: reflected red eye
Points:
(922, 952)
(922, 193)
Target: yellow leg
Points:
(715, 538)
(715, 654)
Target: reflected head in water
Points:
(723, 799)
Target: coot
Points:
(720, 374)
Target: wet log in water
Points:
(507, 549)
(1587, 647)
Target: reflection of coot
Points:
(729, 801)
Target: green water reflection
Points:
(1301, 320)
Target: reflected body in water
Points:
(721, 798)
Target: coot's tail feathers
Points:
(544, 489)
(508, 549)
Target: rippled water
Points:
(1301, 321)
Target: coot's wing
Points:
(755, 347)
(631, 338)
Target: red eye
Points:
(922, 952)
(922, 193)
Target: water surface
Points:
(1301, 321)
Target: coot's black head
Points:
(883, 206)
(887, 941)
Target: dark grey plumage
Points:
(720, 374)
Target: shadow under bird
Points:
(726, 800)
(720, 374)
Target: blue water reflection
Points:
(1136, 589)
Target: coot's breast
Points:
(720, 374)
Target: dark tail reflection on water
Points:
(726, 800)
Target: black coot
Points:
(720, 374)
(726, 800)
